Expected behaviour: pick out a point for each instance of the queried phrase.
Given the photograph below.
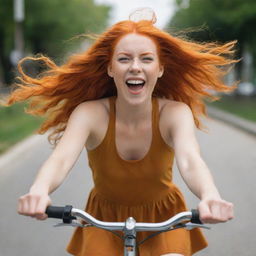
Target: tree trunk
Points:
(247, 64)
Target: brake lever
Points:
(72, 224)
(190, 226)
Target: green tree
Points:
(50, 22)
(225, 20)
(48, 26)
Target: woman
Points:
(132, 100)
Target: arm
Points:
(57, 166)
(193, 169)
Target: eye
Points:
(123, 58)
(148, 58)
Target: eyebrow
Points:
(145, 53)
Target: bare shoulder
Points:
(176, 119)
(93, 116)
(93, 105)
(94, 109)
(171, 109)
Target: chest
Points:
(132, 143)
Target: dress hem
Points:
(162, 253)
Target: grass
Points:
(244, 107)
(15, 125)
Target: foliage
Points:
(60, 20)
(227, 20)
(219, 20)
(48, 25)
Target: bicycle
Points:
(188, 220)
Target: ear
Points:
(161, 71)
(110, 73)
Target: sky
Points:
(163, 9)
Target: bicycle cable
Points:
(159, 232)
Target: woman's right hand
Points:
(34, 205)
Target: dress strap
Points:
(157, 137)
(155, 118)
(111, 125)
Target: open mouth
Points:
(135, 86)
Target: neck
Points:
(133, 115)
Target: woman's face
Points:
(135, 67)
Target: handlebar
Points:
(189, 219)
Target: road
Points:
(229, 153)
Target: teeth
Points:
(135, 81)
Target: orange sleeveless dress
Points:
(140, 188)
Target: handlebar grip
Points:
(195, 217)
(60, 212)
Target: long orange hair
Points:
(191, 72)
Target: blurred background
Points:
(52, 27)
(49, 27)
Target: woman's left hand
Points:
(215, 210)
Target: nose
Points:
(135, 66)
